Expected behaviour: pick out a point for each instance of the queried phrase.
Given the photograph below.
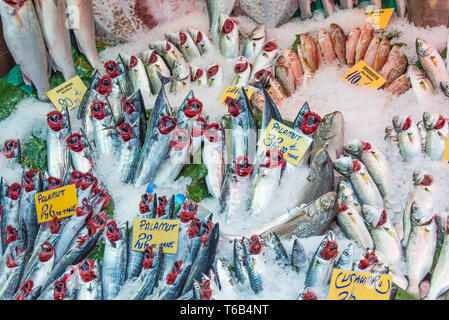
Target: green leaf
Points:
(400, 45)
(197, 191)
(10, 96)
(443, 53)
(82, 66)
(97, 252)
(56, 79)
(296, 43)
(194, 171)
(34, 154)
(392, 35)
(403, 295)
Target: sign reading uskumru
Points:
(61, 202)
(363, 75)
(292, 144)
(233, 92)
(353, 285)
(155, 233)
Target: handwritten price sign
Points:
(61, 202)
(233, 92)
(379, 18)
(363, 75)
(353, 285)
(446, 152)
(68, 94)
(292, 144)
(155, 233)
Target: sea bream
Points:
(371, 51)
(254, 42)
(399, 86)
(421, 84)
(409, 138)
(353, 226)
(437, 133)
(339, 42)
(351, 45)
(24, 39)
(311, 51)
(432, 62)
(285, 76)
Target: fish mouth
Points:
(212, 71)
(356, 166)
(275, 159)
(205, 291)
(181, 139)
(255, 246)
(194, 108)
(15, 3)
(188, 212)
(233, 107)
(343, 208)
(105, 85)
(144, 205)
(14, 191)
(47, 252)
(25, 289)
(111, 69)
(55, 225)
(199, 37)
(76, 178)
(9, 148)
(88, 180)
(260, 74)
(125, 131)
(309, 295)
(174, 272)
(97, 110)
(243, 166)
(440, 123)
(228, 26)
(112, 232)
(382, 219)
(198, 128)
(148, 257)
(98, 222)
(270, 46)
(74, 142)
(133, 61)
(407, 124)
(54, 183)
(85, 210)
(153, 58)
(11, 234)
(330, 251)
(127, 106)
(11, 260)
(59, 290)
(162, 204)
(366, 146)
(100, 197)
(198, 74)
(86, 270)
(54, 120)
(28, 180)
(311, 122)
(241, 67)
(211, 132)
(194, 229)
(182, 38)
(370, 259)
(167, 125)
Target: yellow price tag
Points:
(155, 232)
(379, 18)
(353, 285)
(68, 94)
(363, 75)
(233, 92)
(61, 202)
(292, 144)
(446, 152)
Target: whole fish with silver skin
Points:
(351, 45)
(229, 37)
(252, 263)
(198, 75)
(215, 8)
(423, 194)
(65, 288)
(352, 225)
(437, 132)
(320, 268)
(439, 282)
(275, 244)
(242, 70)
(152, 268)
(401, 7)
(330, 135)
(420, 83)
(187, 46)
(90, 286)
(339, 41)
(105, 138)
(432, 62)
(299, 260)
(84, 30)
(385, 237)
(181, 77)
(374, 161)
(58, 156)
(13, 263)
(214, 75)
(346, 258)
(80, 153)
(346, 195)
(201, 40)
(239, 264)
(302, 221)
(213, 158)
(56, 35)
(254, 42)
(409, 139)
(305, 8)
(115, 259)
(172, 288)
(10, 203)
(154, 64)
(131, 137)
(421, 246)
(360, 179)
(138, 76)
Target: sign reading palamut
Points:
(61, 202)
(155, 233)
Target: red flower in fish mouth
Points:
(356, 166)
(366, 146)
(60, 289)
(243, 166)
(311, 122)
(54, 183)
(54, 120)
(76, 178)
(11, 234)
(14, 191)
(241, 67)
(382, 219)
(181, 139)
(144, 205)
(112, 231)
(105, 85)
(212, 71)
(153, 58)
(9, 148)
(198, 74)
(228, 26)
(275, 159)
(206, 291)
(233, 107)
(194, 108)
(198, 127)
(188, 212)
(182, 38)
(171, 277)
(309, 296)
(148, 257)
(427, 180)
(88, 180)
(162, 204)
(47, 252)
(133, 61)
(11, 260)
(407, 124)
(125, 131)
(199, 37)
(127, 106)
(167, 125)
(97, 110)
(270, 46)
(330, 251)
(440, 123)
(25, 289)
(86, 270)
(111, 69)
(256, 245)
(55, 225)
(74, 142)
(211, 132)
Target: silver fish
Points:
(215, 8)
(105, 138)
(138, 75)
(353, 226)
(432, 62)
(58, 156)
(13, 261)
(79, 152)
(437, 134)
(254, 42)
(330, 135)
(409, 139)
(213, 158)
(346, 258)
(201, 40)
(421, 85)
(152, 267)
(90, 285)
(229, 37)
(154, 64)
(299, 260)
(214, 75)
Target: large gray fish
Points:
(58, 156)
(254, 42)
(375, 163)
(437, 134)
(52, 17)
(421, 246)
(302, 221)
(10, 212)
(320, 268)
(13, 261)
(270, 12)
(330, 135)
(105, 137)
(439, 282)
(299, 260)
(154, 64)
(138, 75)
(346, 258)
(229, 37)
(214, 9)
(24, 39)
(432, 62)
(423, 194)
(80, 153)
(353, 226)
(360, 179)
(409, 139)
(64, 288)
(385, 237)
(152, 268)
(81, 21)
(115, 259)
(213, 158)
(175, 282)
(157, 141)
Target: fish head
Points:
(239, 251)
(13, 191)
(55, 121)
(331, 125)
(174, 272)
(402, 123)
(76, 142)
(423, 48)
(243, 166)
(344, 189)
(348, 253)
(15, 256)
(111, 68)
(259, 33)
(167, 125)
(194, 108)
(47, 252)
(321, 165)
(53, 183)
(145, 201)
(227, 25)
(197, 73)
(369, 260)
(125, 131)
(87, 270)
(310, 123)
(373, 216)
(445, 87)
(273, 159)
(354, 147)
(89, 181)
(422, 179)
(213, 132)
(420, 214)
(329, 247)
(189, 211)
(11, 148)
(343, 165)
(430, 119)
(31, 180)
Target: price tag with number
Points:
(379, 18)
(155, 233)
(233, 92)
(363, 75)
(68, 94)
